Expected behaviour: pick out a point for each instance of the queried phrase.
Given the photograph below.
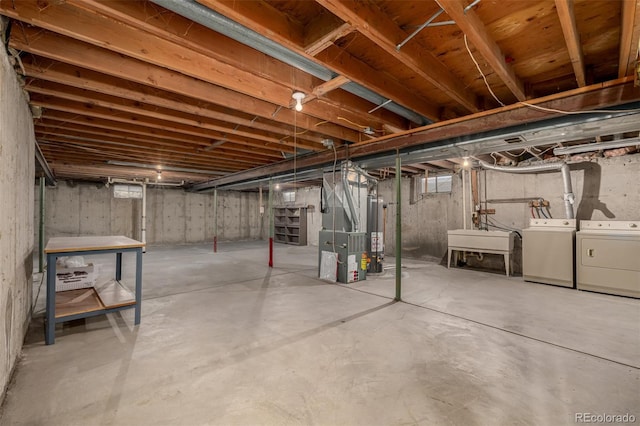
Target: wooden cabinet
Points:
(290, 225)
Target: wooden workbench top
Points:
(69, 244)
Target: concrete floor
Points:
(225, 340)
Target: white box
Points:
(75, 278)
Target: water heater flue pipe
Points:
(568, 196)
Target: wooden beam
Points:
(52, 118)
(127, 40)
(169, 115)
(266, 20)
(80, 108)
(326, 40)
(629, 35)
(443, 163)
(224, 151)
(381, 30)
(582, 99)
(477, 33)
(57, 147)
(572, 38)
(150, 147)
(43, 68)
(65, 49)
(330, 85)
(99, 172)
(117, 105)
(139, 15)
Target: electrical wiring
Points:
(501, 225)
(542, 211)
(527, 104)
(495, 160)
(546, 150)
(359, 125)
(548, 212)
(466, 44)
(506, 229)
(559, 111)
(532, 215)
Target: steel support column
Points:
(398, 228)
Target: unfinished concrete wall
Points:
(173, 215)
(17, 171)
(605, 189)
(425, 223)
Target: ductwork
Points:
(347, 194)
(219, 23)
(568, 196)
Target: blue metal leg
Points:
(119, 266)
(138, 285)
(50, 331)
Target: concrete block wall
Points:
(17, 171)
(174, 216)
(605, 189)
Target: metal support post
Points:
(215, 220)
(271, 224)
(41, 230)
(398, 229)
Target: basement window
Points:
(439, 184)
(289, 196)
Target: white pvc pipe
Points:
(464, 201)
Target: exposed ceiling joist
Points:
(381, 30)
(572, 37)
(629, 37)
(265, 20)
(327, 39)
(477, 33)
(83, 55)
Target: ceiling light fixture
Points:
(298, 96)
(159, 177)
(465, 163)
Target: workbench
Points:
(106, 298)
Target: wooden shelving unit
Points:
(290, 225)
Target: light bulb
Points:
(159, 177)
(298, 96)
(277, 184)
(465, 163)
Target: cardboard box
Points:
(75, 278)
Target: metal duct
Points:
(347, 194)
(568, 196)
(219, 23)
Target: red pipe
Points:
(270, 252)
(215, 244)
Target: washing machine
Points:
(608, 257)
(548, 251)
